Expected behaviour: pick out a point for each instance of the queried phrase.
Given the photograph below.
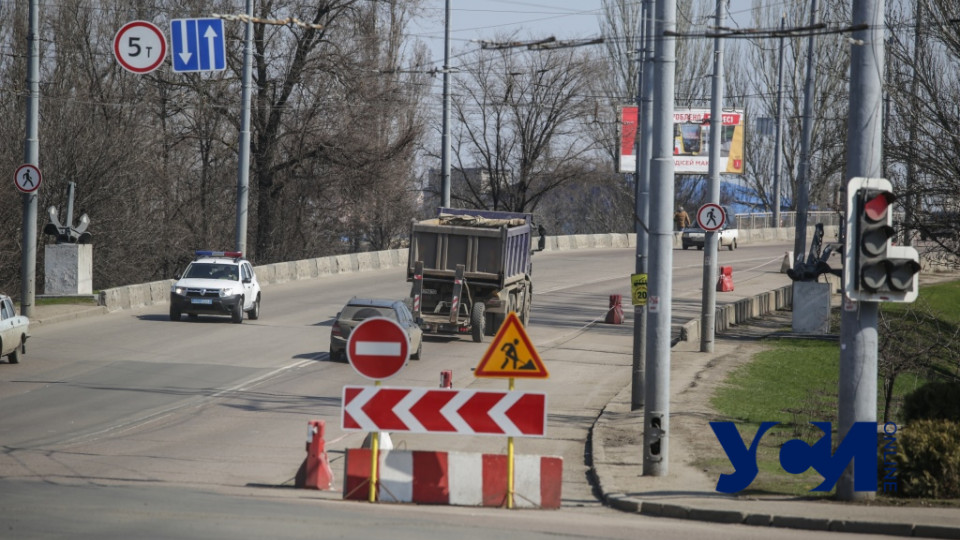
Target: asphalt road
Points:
(130, 425)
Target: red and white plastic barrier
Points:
(454, 478)
(314, 472)
(725, 283)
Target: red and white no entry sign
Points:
(378, 348)
(710, 217)
(140, 47)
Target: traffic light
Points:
(874, 269)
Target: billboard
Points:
(691, 141)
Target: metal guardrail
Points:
(764, 220)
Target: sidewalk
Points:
(686, 492)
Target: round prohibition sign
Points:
(710, 217)
(27, 178)
(140, 47)
(378, 348)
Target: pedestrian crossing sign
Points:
(511, 354)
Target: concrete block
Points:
(365, 261)
(111, 299)
(873, 527)
(936, 531)
(138, 295)
(760, 520)
(306, 269)
(325, 266)
(346, 263)
(623, 503)
(266, 273)
(68, 269)
(602, 240)
(160, 291)
(795, 522)
(811, 312)
(787, 262)
(717, 516)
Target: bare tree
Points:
(923, 128)
(759, 79)
(620, 24)
(154, 156)
(520, 120)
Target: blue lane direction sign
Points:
(197, 45)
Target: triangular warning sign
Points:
(511, 354)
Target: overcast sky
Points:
(472, 20)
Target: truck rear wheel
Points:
(478, 321)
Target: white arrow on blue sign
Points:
(198, 45)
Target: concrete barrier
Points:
(158, 292)
(741, 311)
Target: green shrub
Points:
(933, 401)
(928, 459)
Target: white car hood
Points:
(198, 283)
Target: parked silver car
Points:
(358, 310)
(14, 331)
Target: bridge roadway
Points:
(127, 406)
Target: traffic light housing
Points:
(874, 269)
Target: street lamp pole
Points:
(445, 142)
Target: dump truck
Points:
(469, 269)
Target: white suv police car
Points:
(216, 283)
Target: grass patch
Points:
(794, 382)
(90, 300)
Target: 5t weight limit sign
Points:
(140, 47)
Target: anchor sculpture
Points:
(816, 261)
(66, 233)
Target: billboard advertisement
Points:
(691, 141)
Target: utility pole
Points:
(31, 155)
(243, 159)
(643, 142)
(912, 204)
(656, 412)
(778, 156)
(712, 238)
(858, 326)
(803, 184)
(445, 138)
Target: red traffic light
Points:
(876, 208)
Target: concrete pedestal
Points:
(811, 307)
(68, 269)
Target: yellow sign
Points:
(638, 286)
(511, 354)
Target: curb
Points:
(70, 315)
(620, 501)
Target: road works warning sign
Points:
(511, 354)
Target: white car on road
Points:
(216, 283)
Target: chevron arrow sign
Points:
(430, 410)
